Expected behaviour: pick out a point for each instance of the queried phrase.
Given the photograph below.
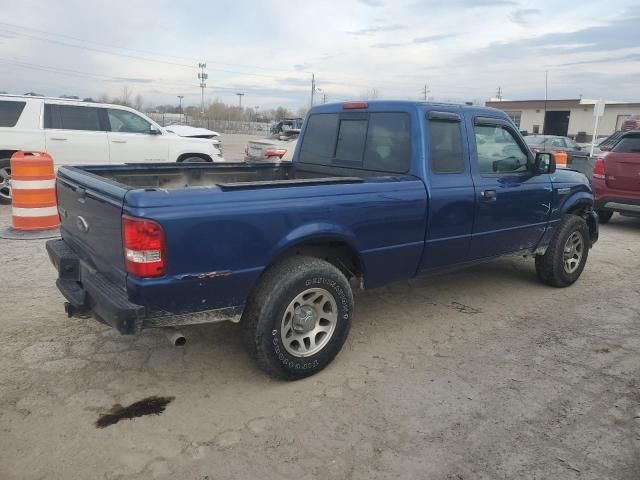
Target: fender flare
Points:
(317, 232)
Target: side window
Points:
(351, 138)
(10, 113)
(72, 117)
(445, 147)
(388, 147)
(126, 122)
(498, 150)
(319, 140)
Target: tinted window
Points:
(377, 141)
(498, 151)
(388, 147)
(71, 117)
(127, 122)
(10, 113)
(629, 144)
(319, 140)
(445, 148)
(351, 138)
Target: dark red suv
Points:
(616, 178)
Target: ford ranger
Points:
(377, 192)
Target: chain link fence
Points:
(220, 126)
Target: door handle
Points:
(118, 141)
(58, 139)
(488, 194)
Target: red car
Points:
(616, 178)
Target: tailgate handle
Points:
(81, 193)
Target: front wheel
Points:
(5, 181)
(299, 317)
(567, 253)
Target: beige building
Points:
(572, 118)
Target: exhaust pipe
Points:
(176, 337)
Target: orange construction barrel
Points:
(561, 158)
(33, 192)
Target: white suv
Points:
(82, 133)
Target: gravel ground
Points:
(483, 374)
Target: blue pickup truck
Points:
(377, 192)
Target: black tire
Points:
(264, 316)
(5, 193)
(194, 158)
(605, 215)
(550, 267)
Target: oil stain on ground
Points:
(147, 406)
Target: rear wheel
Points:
(566, 256)
(5, 181)
(299, 317)
(604, 215)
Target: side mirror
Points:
(605, 148)
(545, 162)
(153, 130)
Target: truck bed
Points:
(227, 176)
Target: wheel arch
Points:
(184, 156)
(325, 241)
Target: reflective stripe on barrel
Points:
(33, 192)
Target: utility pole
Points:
(240, 95)
(313, 87)
(324, 98)
(425, 93)
(499, 94)
(203, 84)
(180, 97)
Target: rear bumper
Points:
(90, 293)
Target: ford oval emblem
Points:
(82, 224)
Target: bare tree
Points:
(138, 102)
(371, 94)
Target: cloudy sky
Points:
(462, 49)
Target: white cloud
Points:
(463, 49)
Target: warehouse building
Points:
(573, 118)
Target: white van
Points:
(81, 133)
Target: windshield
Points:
(534, 140)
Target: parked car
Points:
(277, 147)
(377, 192)
(79, 133)
(616, 178)
(287, 124)
(546, 143)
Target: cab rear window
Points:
(367, 141)
(628, 144)
(10, 113)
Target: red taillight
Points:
(598, 169)
(144, 247)
(354, 105)
(275, 152)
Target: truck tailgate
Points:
(90, 214)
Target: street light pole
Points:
(180, 97)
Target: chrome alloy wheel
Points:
(5, 183)
(308, 322)
(573, 251)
